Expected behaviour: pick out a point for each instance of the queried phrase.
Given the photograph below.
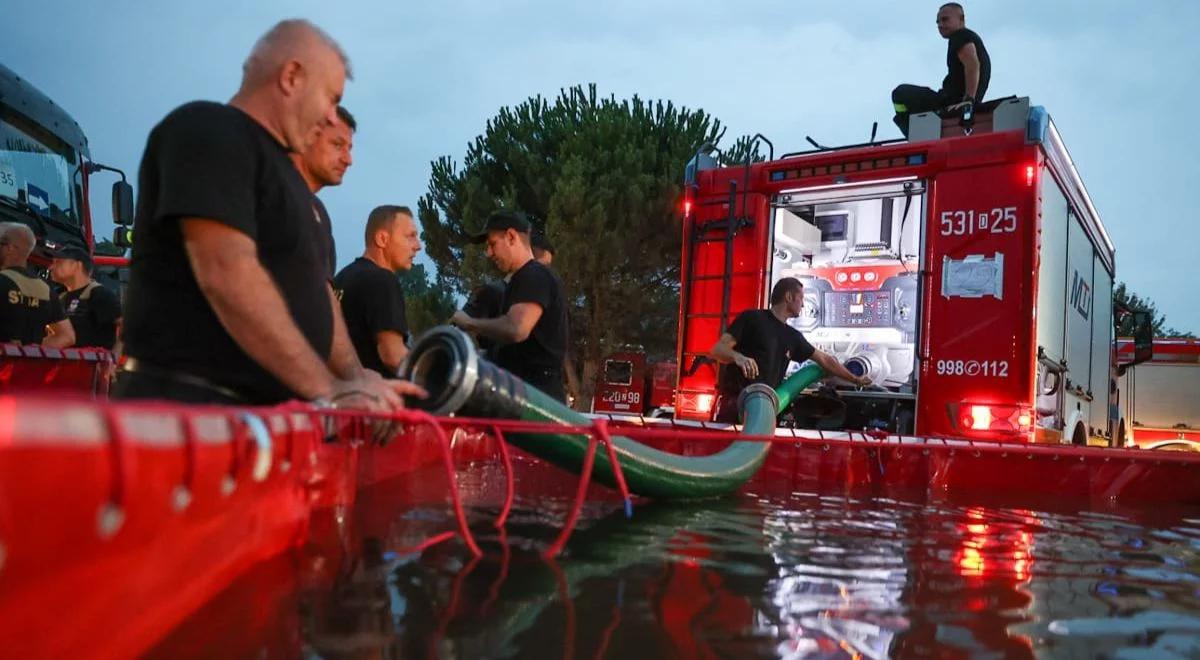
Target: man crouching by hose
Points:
(228, 300)
(764, 344)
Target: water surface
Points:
(764, 574)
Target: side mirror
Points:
(123, 237)
(122, 203)
(1143, 337)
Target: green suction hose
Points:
(445, 363)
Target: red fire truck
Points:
(629, 384)
(45, 171)
(46, 168)
(1160, 399)
(965, 270)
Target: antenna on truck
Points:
(813, 142)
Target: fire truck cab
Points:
(45, 173)
(965, 271)
(46, 168)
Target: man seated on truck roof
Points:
(970, 70)
(30, 313)
(758, 345)
(229, 298)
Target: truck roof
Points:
(1025, 123)
(18, 94)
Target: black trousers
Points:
(549, 381)
(727, 408)
(914, 99)
(142, 385)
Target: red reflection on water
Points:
(692, 604)
(990, 552)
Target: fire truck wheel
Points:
(1079, 437)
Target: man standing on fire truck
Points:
(764, 344)
(970, 70)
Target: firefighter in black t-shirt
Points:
(324, 164)
(370, 293)
(94, 311)
(229, 298)
(532, 329)
(758, 345)
(969, 72)
(486, 302)
(543, 252)
(29, 312)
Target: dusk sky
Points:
(1119, 79)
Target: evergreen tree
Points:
(426, 303)
(603, 178)
(1123, 296)
(107, 248)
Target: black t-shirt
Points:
(543, 350)
(209, 160)
(93, 311)
(486, 302)
(327, 245)
(372, 302)
(771, 342)
(27, 306)
(954, 87)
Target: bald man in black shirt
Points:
(29, 311)
(229, 300)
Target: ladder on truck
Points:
(709, 235)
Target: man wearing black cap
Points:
(532, 329)
(94, 311)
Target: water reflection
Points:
(762, 575)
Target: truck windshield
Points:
(35, 170)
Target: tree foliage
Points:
(1123, 296)
(426, 302)
(603, 178)
(107, 248)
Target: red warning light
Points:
(994, 418)
(1030, 172)
(980, 418)
(687, 206)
